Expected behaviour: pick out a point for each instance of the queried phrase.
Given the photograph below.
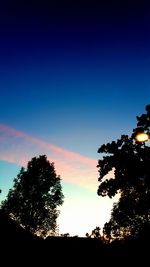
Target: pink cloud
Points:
(55, 149)
(19, 147)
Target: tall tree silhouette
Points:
(35, 195)
(130, 161)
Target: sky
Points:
(73, 76)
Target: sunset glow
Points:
(71, 77)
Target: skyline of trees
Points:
(131, 163)
(35, 196)
(37, 190)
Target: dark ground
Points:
(20, 248)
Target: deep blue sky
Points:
(74, 74)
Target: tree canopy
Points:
(35, 195)
(130, 161)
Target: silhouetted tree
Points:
(107, 232)
(95, 233)
(88, 235)
(130, 161)
(65, 235)
(35, 195)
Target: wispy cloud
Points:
(19, 147)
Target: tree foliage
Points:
(130, 161)
(95, 233)
(35, 195)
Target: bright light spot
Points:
(142, 137)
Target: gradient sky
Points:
(73, 76)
